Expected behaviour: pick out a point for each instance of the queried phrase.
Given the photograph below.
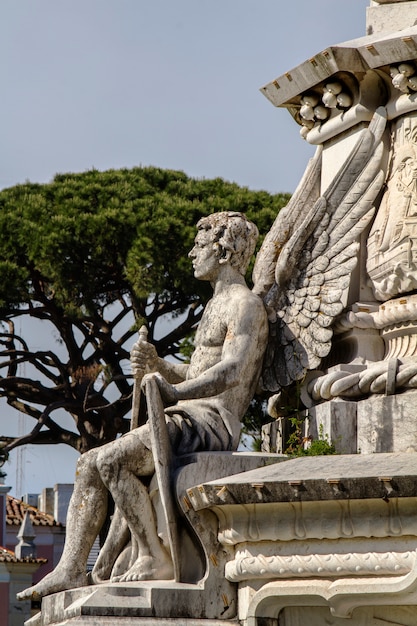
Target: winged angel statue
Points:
(303, 269)
(302, 273)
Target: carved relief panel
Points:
(392, 243)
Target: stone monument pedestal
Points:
(376, 424)
(320, 540)
(311, 540)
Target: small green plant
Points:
(288, 407)
(299, 445)
(321, 445)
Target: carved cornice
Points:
(314, 559)
(337, 519)
(402, 310)
(397, 311)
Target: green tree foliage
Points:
(93, 256)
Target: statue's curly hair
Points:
(231, 230)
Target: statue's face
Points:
(205, 257)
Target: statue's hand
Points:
(143, 357)
(169, 393)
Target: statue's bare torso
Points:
(233, 327)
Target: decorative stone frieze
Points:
(318, 561)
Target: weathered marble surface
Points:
(387, 424)
(390, 16)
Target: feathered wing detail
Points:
(314, 263)
(287, 219)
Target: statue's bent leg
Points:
(128, 459)
(116, 541)
(86, 515)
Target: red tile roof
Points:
(15, 511)
(7, 556)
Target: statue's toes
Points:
(116, 579)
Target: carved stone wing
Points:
(314, 263)
(289, 218)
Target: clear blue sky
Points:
(120, 83)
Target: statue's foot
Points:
(148, 568)
(56, 581)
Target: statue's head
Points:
(232, 235)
